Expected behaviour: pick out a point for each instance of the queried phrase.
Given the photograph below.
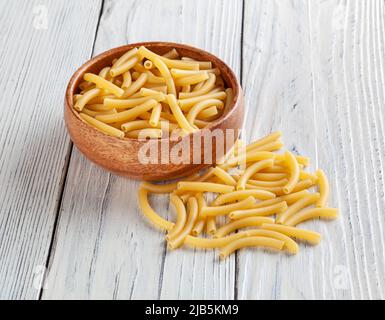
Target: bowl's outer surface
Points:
(120, 156)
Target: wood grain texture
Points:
(316, 71)
(36, 60)
(104, 248)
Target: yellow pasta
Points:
(241, 195)
(307, 235)
(130, 114)
(211, 226)
(172, 54)
(242, 223)
(202, 64)
(270, 138)
(261, 211)
(276, 183)
(148, 64)
(124, 67)
(251, 242)
(186, 104)
(200, 106)
(145, 133)
(208, 113)
(325, 213)
(192, 215)
(150, 213)
(293, 172)
(102, 83)
(129, 54)
(254, 168)
(224, 176)
(206, 86)
(225, 209)
(155, 115)
(86, 98)
(102, 126)
(204, 186)
(135, 86)
(181, 216)
(298, 205)
(323, 188)
(178, 114)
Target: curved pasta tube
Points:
(124, 67)
(304, 184)
(254, 168)
(304, 215)
(200, 106)
(151, 133)
(250, 242)
(127, 80)
(135, 86)
(208, 113)
(293, 173)
(242, 223)
(242, 194)
(303, 175)
(102, 126)
(323, 184)
(225, 209)
(102, 83)
(265, 140)
(186, 104)
(224, 176)
(204, 186)
(192, 215)
(211, 225)
(128, 115)
(249, 157)
(178, 114)
(129, 54)
(261, 211)
(86, 98)
(155, 115)
(181, 216)
(272, 146)
(150, 213)
(125, 103)
(307, 235)
(203, 89)
(276, 183)
(296, 206)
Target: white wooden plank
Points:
(40, 46)
(104, 248)
(325, 58)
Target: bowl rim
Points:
(81, 70)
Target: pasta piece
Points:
(208, 113)
(155, 115)
(104, 73)
(250, 157)
(104, 84)
(129, 54)
(323, 188)
(172, 54)
(272, 146)
(303, 175)
(200, 106)
(290, 245)
(304, 215)
(178, 114)
(204, 88)
(242, 223)
(241, 195)
(269, 176)
(225, 209)
(127, 80)
(148, 64)
(254, 168)
(296, 206)
(92, 113)
(153, 93)
(224, 176)
(276, 183)
(186, 104)
(251, 242)
(307, 235)
(211, 226)
(111, 131)
(150, 213)
(193, 79)
(186, 88)
(145, 133)
(304, 184)
(86, 98)
(293, 173)
(261, 211)
(198, 227)
(180, 73)
(135, 86)
(164, 188)
(98, 107)
(270, 138)
(124, 67)
(130, 114)
(126, 103)
(202, 64)
(204, 186)
(192, 215)
(181, 216)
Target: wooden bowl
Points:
(120, 156)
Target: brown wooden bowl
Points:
(120, 156)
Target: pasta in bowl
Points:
(132, 109)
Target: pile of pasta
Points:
(260, 204)
(147, 94)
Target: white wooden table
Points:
(313, 69)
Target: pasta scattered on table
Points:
(262, 203)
